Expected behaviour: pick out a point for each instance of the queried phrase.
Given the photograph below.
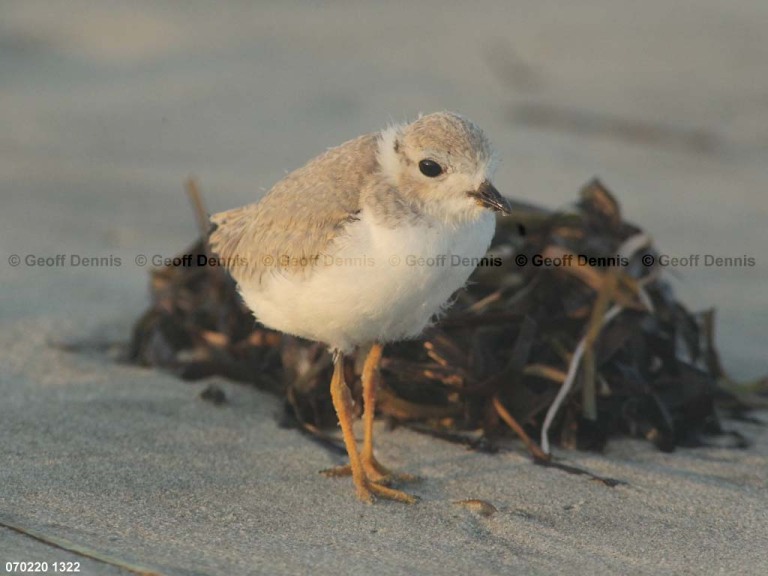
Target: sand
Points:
(132, 465)
(105, 108)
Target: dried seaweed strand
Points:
(604, 297)
(533, 448)
(628, 248)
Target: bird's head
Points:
(444, 163)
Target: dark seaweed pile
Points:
(496, 361)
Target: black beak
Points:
(489, 197)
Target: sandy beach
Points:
(105, 110)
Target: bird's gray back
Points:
(300, 216)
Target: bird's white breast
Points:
(378, 284)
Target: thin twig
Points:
(201, 214)
(509, 420)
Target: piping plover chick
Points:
(365, 245)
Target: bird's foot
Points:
(376, 481)
(370, 491)
(375, 471)
(382, 475)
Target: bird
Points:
(365, 245)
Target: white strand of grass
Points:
(570, 378)
(628, 248)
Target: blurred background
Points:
(107, 107)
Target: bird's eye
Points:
(430, 168)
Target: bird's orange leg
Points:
(367, 489)
(342, 402)
(375, 470)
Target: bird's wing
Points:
(299, 217)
